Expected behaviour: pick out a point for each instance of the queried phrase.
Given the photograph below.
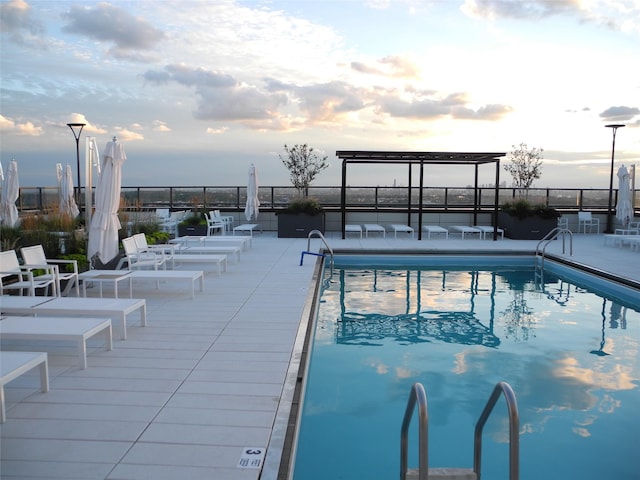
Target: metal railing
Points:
(514, 430)
(552, 235)
(273, 198)
(418, 397)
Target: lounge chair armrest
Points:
(58, 262)
(20, 273)
(45, 266)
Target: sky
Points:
(197, 91)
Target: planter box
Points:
(530, 228)
(195, 230)
(298, 225)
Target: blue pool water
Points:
(569, 349)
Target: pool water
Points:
(570, 354)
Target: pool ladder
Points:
(308, 251)
(418, 397)
(552, 235)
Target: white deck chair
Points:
(15, 364)
(167, 250)
(586, 220)
(34, 256)
(401, 228)
(226, 219)
(214, 222)
(25, 281)
(374, 227)
(137, 259)
(435, 229)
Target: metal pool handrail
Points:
(417, 396)
(552, 235)
(514, 430)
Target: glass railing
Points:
(273, 198)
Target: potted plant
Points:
(523, 221)
(193, 224)
(303, 213)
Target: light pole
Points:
(614, 128)
(76, 135)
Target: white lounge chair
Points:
(586, 220)
(244, 241)
(167, 250)
(116, 276)
(374, 227)
(117, 309)
(488, 230)
(214, 224)
(77, 330)
(227, 220)
(34, 256)
(435, 229)
(465, 230)
(401, 228)
(137, 259)
(352, 228)
(247, 227)
(25, 280)
(15, 364)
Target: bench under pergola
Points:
(422, 158)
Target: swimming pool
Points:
(566, 343)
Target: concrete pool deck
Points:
(187, 395)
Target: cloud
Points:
(107, 23)
(16, 21)
(27, 128)
(620, 15)
(89, 127)
(619, 114)
(221, 96)
(126, 135)
(454, 105)
(390, 66)
(160, 126)
(531, 9)
(216, 131)
(488, 112)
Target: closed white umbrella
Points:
(252, 209)
(103, 233)
(624, 210)
(68, 204)
(10, 192)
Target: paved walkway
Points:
(184, 397)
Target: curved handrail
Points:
(321, 237)
(514, 430)
(416, 396)
(552, 235)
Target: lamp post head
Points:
(73, 126)
(615, 126)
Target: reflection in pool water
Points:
(570, 355)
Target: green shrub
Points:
(310, 206)
(521, 208)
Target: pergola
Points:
(421, 158)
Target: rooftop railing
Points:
(274, 198)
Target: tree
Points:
(304, 164)
(525, 165)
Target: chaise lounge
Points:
(374, 227)
(77, 330)
(15, 364)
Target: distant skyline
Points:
(198, 90)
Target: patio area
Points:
(204, 386)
